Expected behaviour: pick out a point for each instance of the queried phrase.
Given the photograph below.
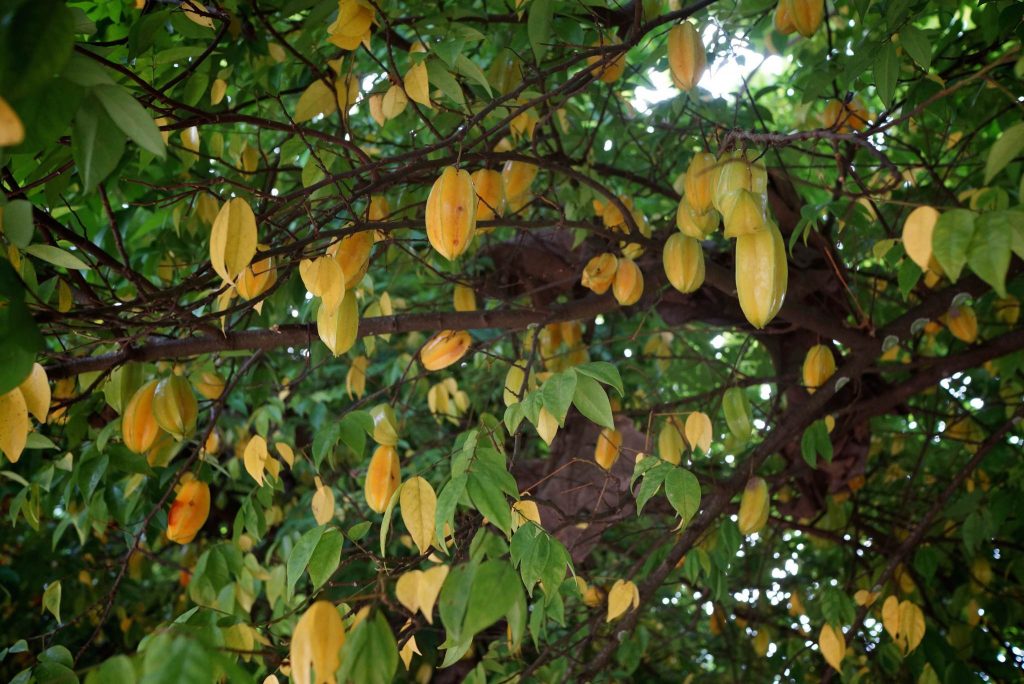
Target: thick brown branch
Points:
(301, 336)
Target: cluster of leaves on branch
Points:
(516, 340)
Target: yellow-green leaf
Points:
(233, 239)
(419, 505)
(833, 646)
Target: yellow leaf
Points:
(394, 102)
(14, 425)
(316, 99)
(523, 511)
(917, 235)
(621, 597)
(218, 90)
(547, 426)
(36, 390)
(761, 642)
(430, 589)
(417, 84)
(377, 112)
(12, 131)
(190, 139)
(255, 458)
(323, 503)
(419, 505)
(338, 326)
(316, 645)
(408, 649)
(698, 431)
(833, 646)
(864, 597)
(233, 239)
(286, 453)
(195, 10)
(891, 616)
(64, 298)
(276, 52)
(407, 590)
(912, 626)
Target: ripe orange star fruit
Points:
(698, 182)
(189, 511)
(629, 283)
(819, 366)
(736, 171)
(490, 194)
(257, 278)
(782, 19)
(382, 478)
(609, 444)
(210, 385)
(451, 213)
(12, 131)
(444, 349)
(516, 178)
(315, 653)
(612, 64)
(806, 15)
(687, 58)
(845, 117)
(599, 273)
(754, 506)
(174, 406)
(963, 323)
(762, 275)
(138, 424)
(352, 253)
(692, 223)
(744, 212)
(683, 260)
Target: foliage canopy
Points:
(265, 407)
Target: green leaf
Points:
(514, 415)
(887, 72)
(447, 501)
(299, 557)
(592, 402)
(441, 78)
(683, 492)
(38, 40)
(326, 557)
(989, 254)
(354, 428)
(57, 257)
(96, 143)
(51, 599)
(604, 372)
(489, 499)
(131, 118)
(952, 239)
(359, 530)
(385, 524)
(917, 45)
(19, 337)
(492, 595)
(538, 26)
(649, 486)
(557, 393)
(908, 276)
(468, 68)
(370, 654)
(17, 222)
(1005, 149)
(117, 670)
